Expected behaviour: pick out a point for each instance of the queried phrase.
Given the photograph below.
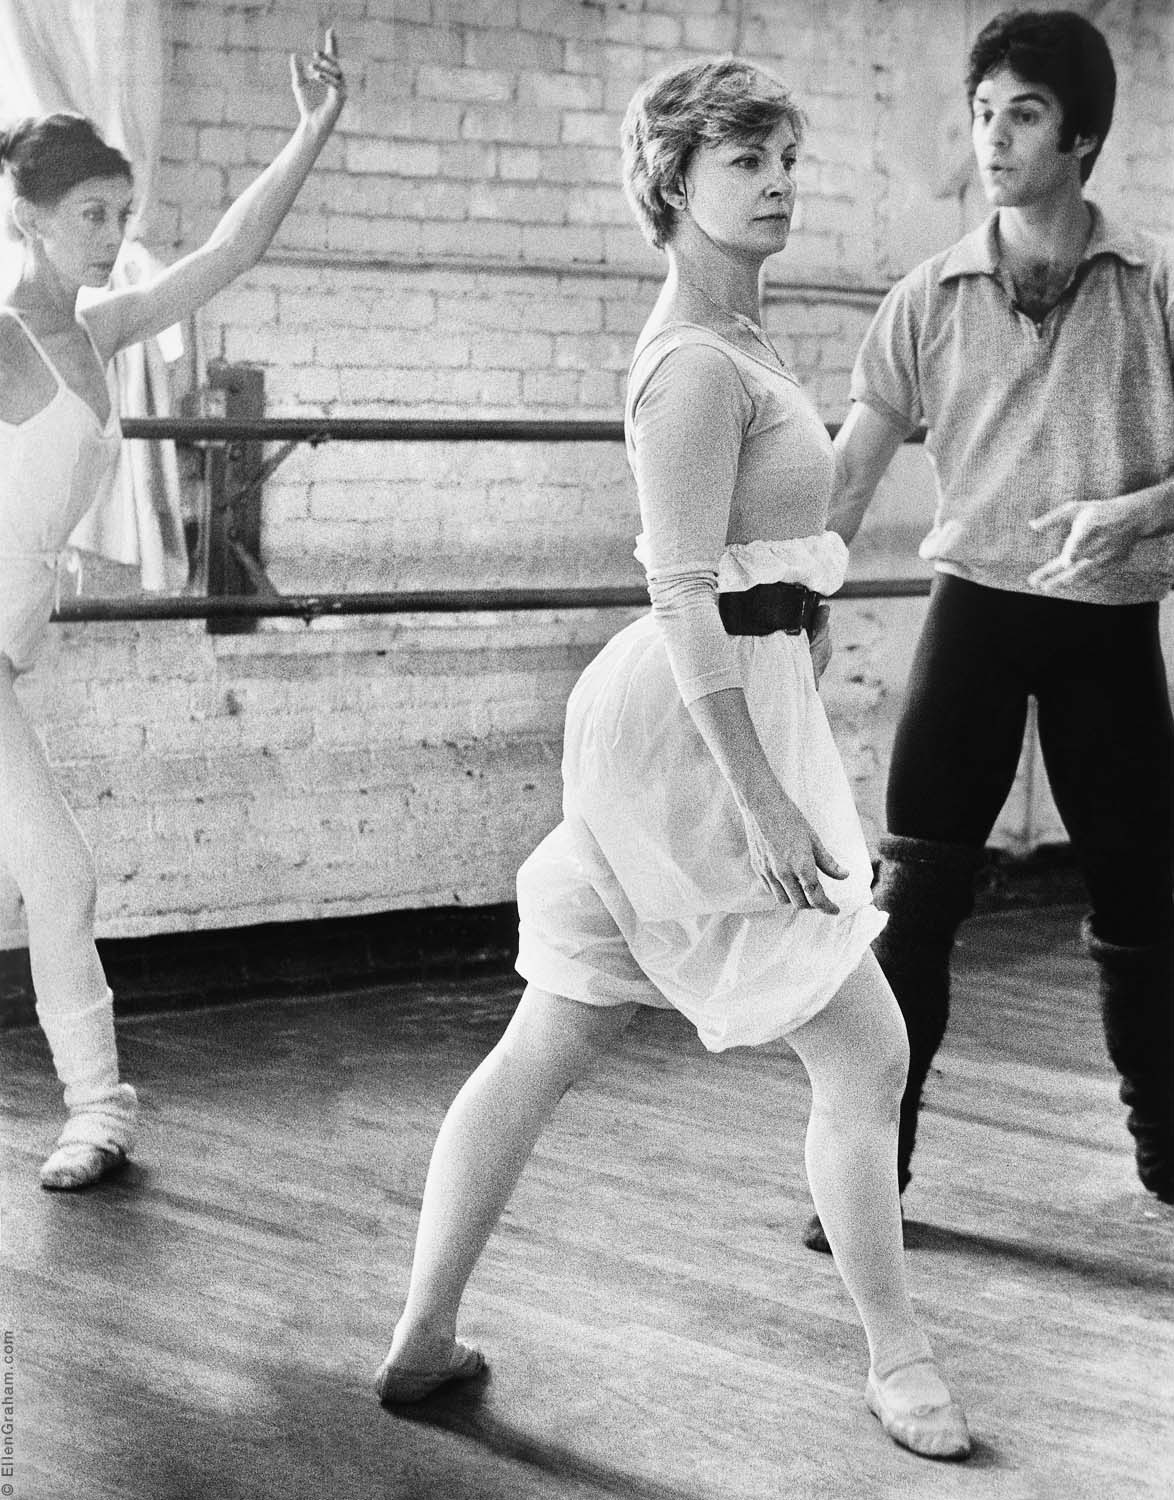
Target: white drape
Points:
(104, 59)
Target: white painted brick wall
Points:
(463, 249)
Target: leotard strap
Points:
(43, 355)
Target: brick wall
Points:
(464, 249)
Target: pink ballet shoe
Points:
(78, 1164)
(919, 1413)
(398, 1387)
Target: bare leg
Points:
(43, 849)
(856, 1054)
(485, 1141)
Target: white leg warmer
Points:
(102, 1111)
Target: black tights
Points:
(1105, 729)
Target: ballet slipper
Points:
(919, 1413)
(398, 1387)
(95, 1141)
(78, 1164)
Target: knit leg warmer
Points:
(927, 889)
(102, 1111)
(1137, 1010)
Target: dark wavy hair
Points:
(703, 103)
(1065, 52)
(46, 156)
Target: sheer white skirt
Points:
(645, 891)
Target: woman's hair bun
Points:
(46, 156)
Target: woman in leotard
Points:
(59, 433)
(710, 857)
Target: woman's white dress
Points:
(645, 891)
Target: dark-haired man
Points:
(1037, 352)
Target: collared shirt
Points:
(1023, 416)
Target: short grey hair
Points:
(702, 103)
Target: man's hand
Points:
(1101, 533)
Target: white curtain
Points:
(104, 59)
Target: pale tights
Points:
(855, 1054)
(45, 853)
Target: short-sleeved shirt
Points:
(1023, 416)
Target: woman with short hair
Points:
(710, 857)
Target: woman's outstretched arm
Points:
(245, 232)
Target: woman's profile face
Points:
(741, 194)
(81, 234)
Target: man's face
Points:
(1016, 133)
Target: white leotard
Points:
(51, 467)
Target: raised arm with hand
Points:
(247, 229)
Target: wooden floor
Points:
(208, 1325)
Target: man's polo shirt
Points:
(1022, 416)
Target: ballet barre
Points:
(316, 430)
(425, 601)
(227, 438)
